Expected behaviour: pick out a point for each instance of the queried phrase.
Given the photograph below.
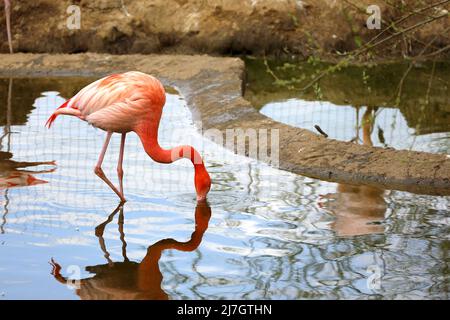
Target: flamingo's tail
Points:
(52, 118)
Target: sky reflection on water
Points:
(268, 236)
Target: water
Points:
(266, 234)
(408, 114)
(389, 128)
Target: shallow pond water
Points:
(385, 105)
(266, 233)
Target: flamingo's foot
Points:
(122, 200)
(99, 172)
(56, 268)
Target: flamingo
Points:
(129, 280)
(13, 174)
(125, 102)
(357, 207)
(8, 23)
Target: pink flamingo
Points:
(8, 23)
(131, 101)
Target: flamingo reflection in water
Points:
(13, 173)
(130, 280)
(358, 209)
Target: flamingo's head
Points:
(202, 182)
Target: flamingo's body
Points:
(131, 101)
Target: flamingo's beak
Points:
(202, 183)
(32, 181)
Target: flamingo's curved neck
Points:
(148, 134)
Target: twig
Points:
(362, 50)
(393, 24)
(124, 9)
(320, 131)
(404, 31)
(269, 70)
(418, 12)
(436, 52)
(400, 85)
(427, 96)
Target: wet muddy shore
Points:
(213, 89)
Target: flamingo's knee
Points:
(120, 173)
(99, 171)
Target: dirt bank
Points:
(318, 27)
(212, 87)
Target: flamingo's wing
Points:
(126, 96)
(118, 117)
(88, 100)
(111, 90)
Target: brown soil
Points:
(302, 28)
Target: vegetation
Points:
(415, 16)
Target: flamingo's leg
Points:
(8, 23)
(56, 272)
(98, 168)
(99, 230)
(122, 235)
(119, 165)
